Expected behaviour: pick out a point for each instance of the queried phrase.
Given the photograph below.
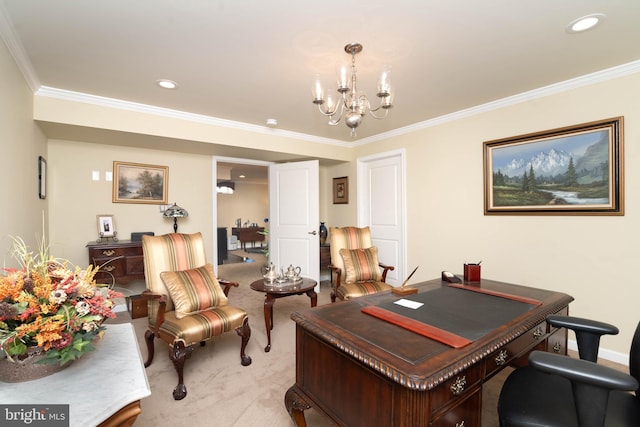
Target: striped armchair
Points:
(186, 302)
(355, 269)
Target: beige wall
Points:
(588, 257)
(76, 199)
(21, 142)
(248, 202)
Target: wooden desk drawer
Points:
(534, 338)
(466, 413)
(456, 387)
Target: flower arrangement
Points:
(49, 305)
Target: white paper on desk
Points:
(409, 304)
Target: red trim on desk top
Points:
(533, 302)
(437, 334)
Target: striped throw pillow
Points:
(194, 290)
(361, 265)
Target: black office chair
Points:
(556, 390)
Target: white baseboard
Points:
(603, 353)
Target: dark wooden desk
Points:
(248, 234)
(362, 371)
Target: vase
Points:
(28, 369)
(323, 233)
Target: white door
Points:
(381, 202)
(294, 217)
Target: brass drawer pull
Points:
(108, 268)
(538, 333)
(501, 358)
(458, 386)
(108, 252)
(557, 347)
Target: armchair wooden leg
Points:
(178, 353)
(333, 296)
(245, 332)
(149, 337)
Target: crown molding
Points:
(8, 34)
(67, 95)
(586, 80)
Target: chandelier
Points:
(353, 105)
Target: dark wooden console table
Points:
(248, 234)
(120, 261)
(358, 369)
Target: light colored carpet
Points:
(223, 393)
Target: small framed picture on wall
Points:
(341, 190)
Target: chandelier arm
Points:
(372, 113)
(325, 113)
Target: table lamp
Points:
(175, 212)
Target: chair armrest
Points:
(227, 286)
(385, 269)
(338, 273)
(591, 383)
(583, 371)
(580, 324)
(162, 306)
(588, 333)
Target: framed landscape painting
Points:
(140, 183)
(575, 170)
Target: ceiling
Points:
(251, 60)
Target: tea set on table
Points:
(288, 275)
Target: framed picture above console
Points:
(575, 170)
(140, 183)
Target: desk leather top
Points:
(389, 348)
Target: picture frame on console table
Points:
(106, 226)
(140, 183)
(574, 170)
(341, 190)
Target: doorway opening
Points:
(242, 211)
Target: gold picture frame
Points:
(341, 190)
(140, 183)
(574, 170)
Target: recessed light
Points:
(167, 84)
(272, 123)
(585, 23)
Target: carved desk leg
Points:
(296, 405)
